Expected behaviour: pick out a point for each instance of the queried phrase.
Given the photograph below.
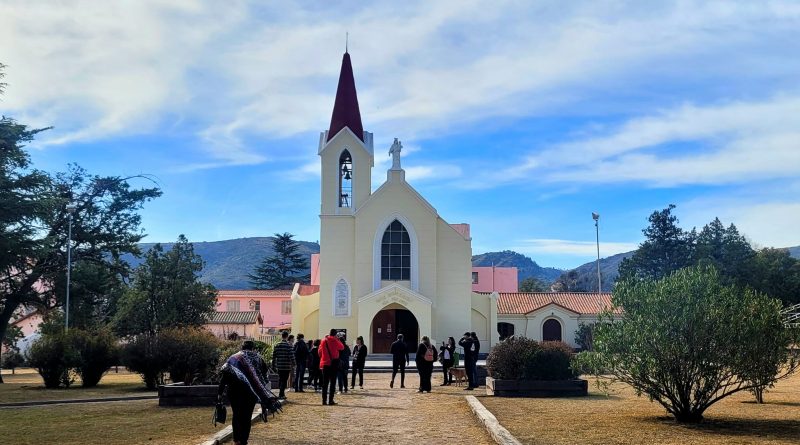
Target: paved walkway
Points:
(377, 415)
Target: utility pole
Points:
(596, 218)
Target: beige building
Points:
(389, 263)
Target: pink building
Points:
(490, 279)
(275, 306)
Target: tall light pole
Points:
(70, 210)
(596, 218)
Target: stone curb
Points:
(70, 401)
(500, 435)
(226, 433)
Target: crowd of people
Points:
(324, 364)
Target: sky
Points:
(519, 118)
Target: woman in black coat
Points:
(426, 356)
(448, 359)
(359, 359)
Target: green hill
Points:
(526, 267)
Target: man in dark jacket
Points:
(282, 358)
(400, 359)
(300, 360)
(469, 358)
(242, 390)
(477, 344)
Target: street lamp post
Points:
(70, 210)
(596, 218)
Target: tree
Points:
(725, 249)
(283, 268)
(666, 248)
(688, 340)
(533, 284)
(584, 336)
(777, 274)
(166, 292)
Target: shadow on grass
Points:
(770, 429)
(753, 402)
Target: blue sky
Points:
(520, 118)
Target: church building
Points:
(388, 262)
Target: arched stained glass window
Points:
(396, 253)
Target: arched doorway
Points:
(389, 322)
(551, 330)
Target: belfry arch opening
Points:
(345, 179)
(388, 323)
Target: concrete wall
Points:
(530, 325)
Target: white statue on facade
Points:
(395, 152)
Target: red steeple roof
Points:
(345, 109)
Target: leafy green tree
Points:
(166, 292)
(688, 340)
(567, 282)
(725, 249)
(533, 284)
(666, 248)
(283, 268)
(584, 336)
(777, 274)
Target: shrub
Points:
(584, 336)
(550, 361)
(508, 360)
(96, 352)
(12, 360)
(144, 356)
(265, 350)
(53, 356)
(193, 352)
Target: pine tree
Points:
(283, 268)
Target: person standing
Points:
(447, 357)
(300, 362)
(292, 372)
(476, 345)
(469, 348)
(400, 359)
(344, 363)
(359, 360)
(313, 368)
(244, 377)
(329, 349)
(282, 359)
(426, 355)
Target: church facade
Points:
(388, 262)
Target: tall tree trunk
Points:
(9, 306)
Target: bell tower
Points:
(346, 151)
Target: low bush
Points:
(551, 361)
(144, 356)
(96, 352)
(194, 352)
(12, 360)
(53, 357)
(520, 358)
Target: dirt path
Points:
(376, 415)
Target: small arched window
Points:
(345, 179)
(551, 330)
(341, 299)
(505, 330)
(396, 253)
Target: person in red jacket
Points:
(329, 349)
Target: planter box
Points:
(178, 394)
(537, 388)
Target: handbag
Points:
(220, 413)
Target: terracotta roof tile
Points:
(235, 317)
(308, 289)
(255, 293)
(578, 302)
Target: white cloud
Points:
(99, 69)
(436, 172)
(572, 247)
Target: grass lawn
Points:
(27, 385)
(132, 422)
(623, 418)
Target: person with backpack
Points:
(359, 361)
(300, 360)
(400, 359)
(426, 356)
(329, 349)
(469, 358)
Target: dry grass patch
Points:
(112, 423)
(623, 418)
(26, 385)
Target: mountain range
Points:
(228, 262)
